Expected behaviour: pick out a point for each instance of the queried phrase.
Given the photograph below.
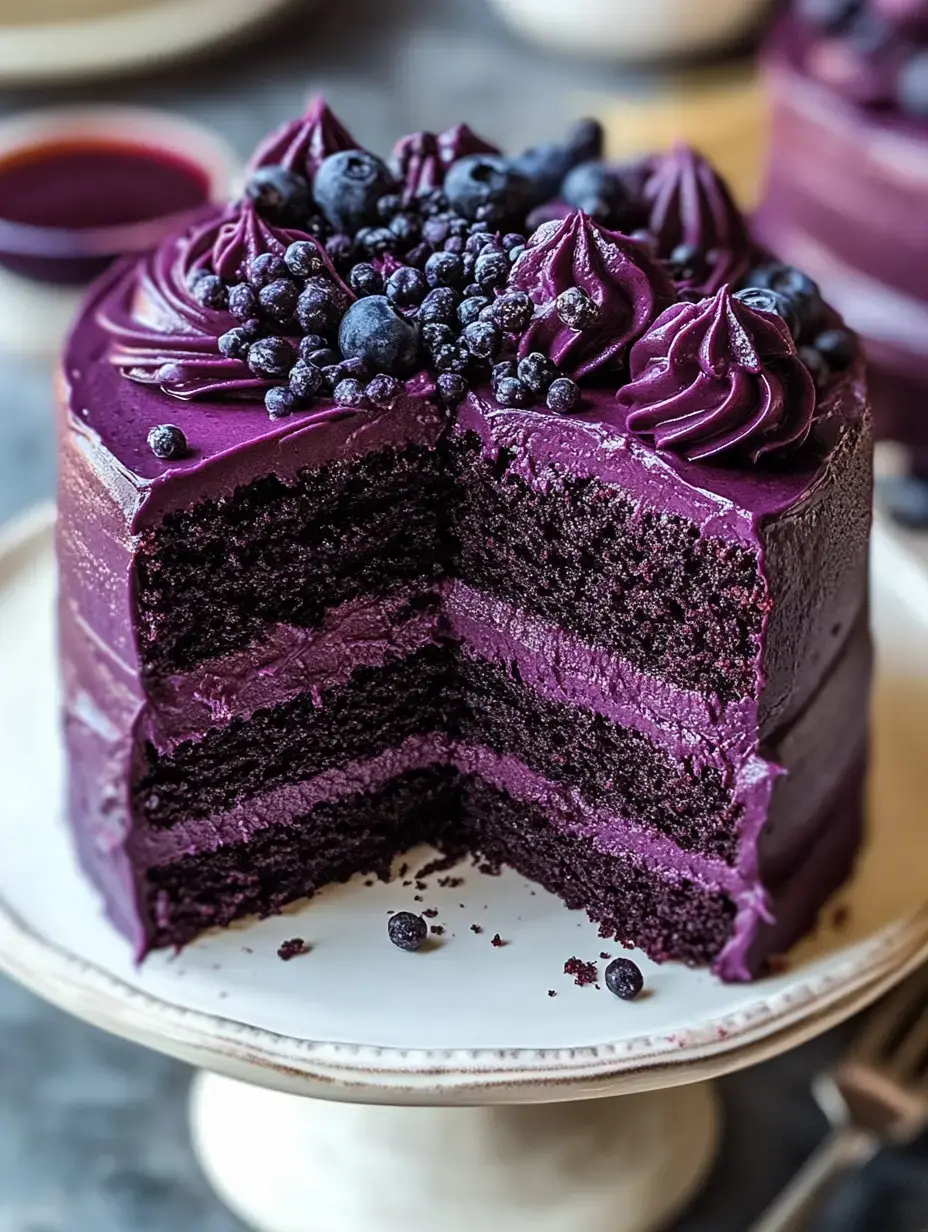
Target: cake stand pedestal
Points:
(358, 1087)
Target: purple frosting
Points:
(161, 335)
(719, 378)
(422, 159)
(303, 144)
(690, 205)
(627, 285)
(863, 60)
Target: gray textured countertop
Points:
(93, 1134)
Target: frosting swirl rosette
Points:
(303, 144)
(162, 335)
(421, 160)
(718, 379)
(627, 289)
(691, 207)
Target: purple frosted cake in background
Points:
(506, 504)
(847, 195)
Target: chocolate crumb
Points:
(450, 883)
(441, 865)
(437, 929)
(402, 870)
(292, 949)
(420, 885)
(430, 912)
(603, 954)
(551, 992)
(418, 898)
(498, 941)
(583, 972)
(475, 928)
(407, 883)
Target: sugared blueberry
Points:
(452, 388)
(270, 357)
(445, 269)
(389, 205)
(350, 392)
(563, 395)
(315, 311)
(837, 347)
(577, 309)
(279, 195)
(303, 259)
(505, 368)
(348, 186)
(510, 391)
(492, 268)
(452, 357)
(482, 339)
(211, 292)
(375, 241)
(624, 978)
(475, 244)
(280, 401)
(278, 299)
(243, 303)
(487, 187)
(440, 305)
(599, 190)
(373, 330)
(405, 230)
(234, 343)
(265, 267)
(436, 334)
(537, 372)
(406, 287)
(167, 442)
(406, 930)
(469, 309)
(513, 311)
(456, 244)
(383, 389)
(364, 279)
(305, 380)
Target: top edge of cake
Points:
(345, 304)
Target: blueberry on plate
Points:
(348, 186)
(373, 330)
(624, 978)
(279, 195)
(406, 930)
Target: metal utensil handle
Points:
(844, 1149)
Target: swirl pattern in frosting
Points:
(303, 144)
(421, 160)
(628, 287)
(161, 335)
(718, 379)
(690, 205)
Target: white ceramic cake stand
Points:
(447, 1089)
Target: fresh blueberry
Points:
(243, 303)
(600, 191)
(303, 259)
(837, 347)
(482, 339)
(685, 263)
(475, 244)
(510, 391)
(265, 267)
(577, 309)
(912, 88)
(439, 306)
(492, 269)
(389, 205)
(763, 299)
(349, 392)
(488, 188)
(348, 186)
(434, 202)
(624, 978)
(383, 389)
(563, 395)
(305, 380)
(167, 442)
(373, 330)
(547, 165)
(536, 371)
(513, 311)
(469, 309)
(452, 388)
(586, 140)
(364, 279)
(815, 362)
(803, 294)
(279, 195)
(280, 401)
(234, 343)
(436, 334)
(211, 292)
(452, 357)
(444, 269)
(278, 299)
(269, 358)
(407, 931)
(316, 311)
(322, 358)
(407, 287)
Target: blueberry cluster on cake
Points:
(846, 192)
(518, 505)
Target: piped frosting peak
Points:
(691, 207)
(241, 237)
(627, 288)
(421, 160)
(718, 379)
(304, 143)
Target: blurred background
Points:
(93, 1131)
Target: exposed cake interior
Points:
(638, 674)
